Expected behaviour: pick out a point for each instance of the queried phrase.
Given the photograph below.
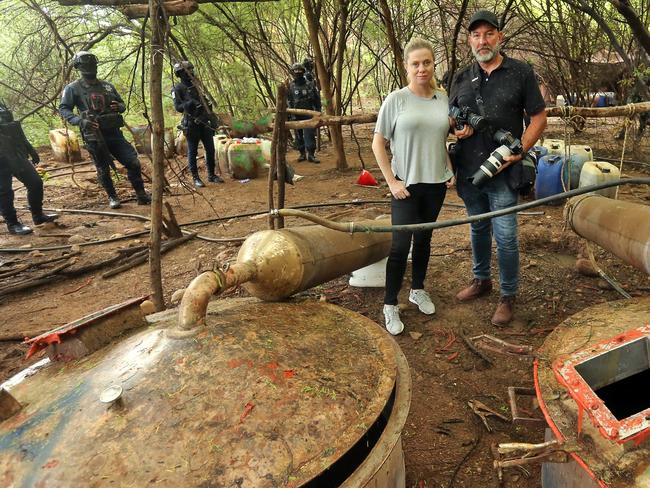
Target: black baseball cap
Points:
(483, 16)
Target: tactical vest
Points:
(303, 95)
(97, 98)
(13, 143)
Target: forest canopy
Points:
(242, 51)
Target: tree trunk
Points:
(326, 82)
(398, 53)
(157, 19)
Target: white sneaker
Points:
(393, 323)
(422, 299)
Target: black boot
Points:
(197, 181)
(18, 229)
(215, 179)
(143, 197)
(114, 201)
(302, 157)
(312, 158)
(42, 218)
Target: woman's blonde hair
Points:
(418, 43)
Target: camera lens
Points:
(490, 167)
(477, 121)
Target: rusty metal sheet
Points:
(611, 463)
(55, 336)
(267, 394)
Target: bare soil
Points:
(445, 443)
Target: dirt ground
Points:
(445, 443)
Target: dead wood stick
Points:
(84, 284)
(172, 228)
(36, 264)
(138, 259)
(101, 264)
(128, 251)
(48, 277)
(473, 348)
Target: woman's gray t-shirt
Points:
(417, 129)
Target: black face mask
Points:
(88, 70)
(298, 75)
(186, 76)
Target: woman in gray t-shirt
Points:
(414, 119)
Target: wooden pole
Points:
(274, 150)
(158, 20)
(281, 151)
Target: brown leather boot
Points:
(505, 309)
(477, 288)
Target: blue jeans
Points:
(495, 195)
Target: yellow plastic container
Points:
(222, 155)
(555, 146)
(142, 138)
(65, 147)
(581, 153)
(170, 143)
(244, 159)
(180, 143)
(596, 172)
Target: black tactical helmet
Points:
(6, 116)
(183, 67)
(308, 63)
(85, 62)
(297, 68)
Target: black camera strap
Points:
(475, 81)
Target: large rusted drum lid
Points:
(266, 394)
(600, 341)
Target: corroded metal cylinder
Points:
(266, 395)
(288, 261)
(622, 228)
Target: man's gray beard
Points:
(486, 58)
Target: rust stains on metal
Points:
(309, 377)
(609, 462)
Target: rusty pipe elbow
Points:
(193, 307)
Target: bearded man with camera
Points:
(488, 101)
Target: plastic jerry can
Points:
(65, 146)
(596, 172)
(571, 171)
(581, 153)
(549, 177)
(243, 159)
(180, 143)
(169, 143)
(554, 146)
(266, 150)
(141, 138)
(222, 155)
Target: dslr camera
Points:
(464, 116)
(494, 163)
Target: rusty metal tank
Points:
(264, 394)
(619, 226)
(295, 259)
(592, 379)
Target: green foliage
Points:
(242, 51)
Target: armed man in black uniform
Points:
(100, 119)
(303, 94)
(199, 122)
(14, 149)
